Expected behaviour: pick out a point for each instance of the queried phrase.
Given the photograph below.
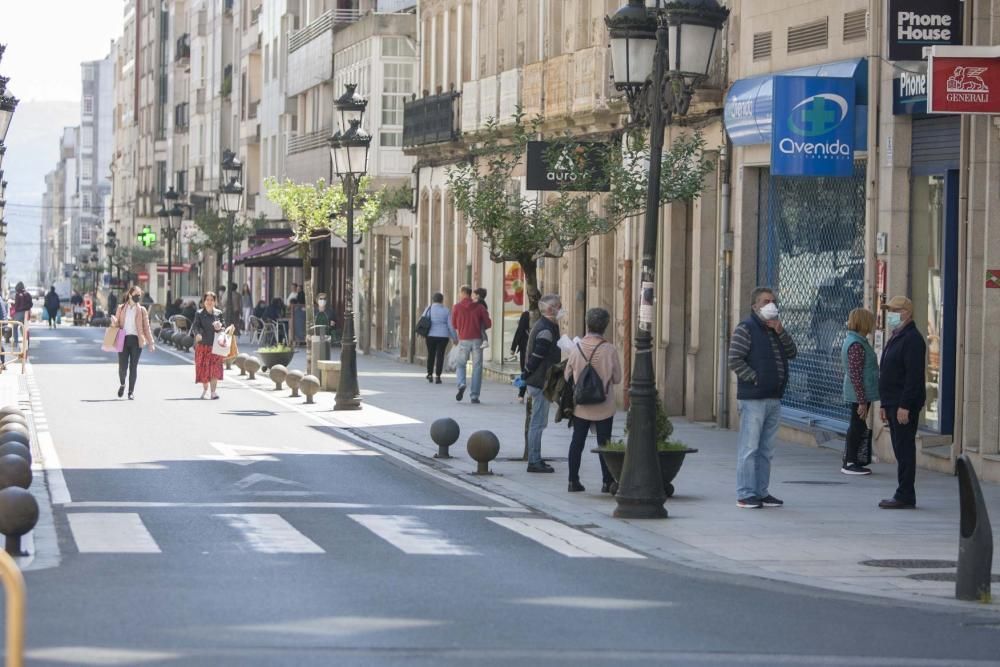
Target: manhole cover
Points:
(943, 576)
(911, 563)
(815, 482)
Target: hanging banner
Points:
(812, 127)
(914, 25)
(964, 79)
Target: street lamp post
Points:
(349, 152)
(230, 198)
(658, 56)
(110, 246)
(170, 214)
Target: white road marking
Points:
(410, 535)
(271, 534)
(54, 478)
(233, 454)
(111, 533)
(272, 504)
(561, 538)
(258, 478)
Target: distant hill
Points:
(32, 151)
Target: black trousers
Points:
(128, 360)
(53, 312)
(436, 346)
(581, 427)
(856, 433)
(904, 446)
(524, 387)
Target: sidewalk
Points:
(822, 537)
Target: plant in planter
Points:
(274, 355)
(671, 453)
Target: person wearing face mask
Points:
(470, 321)
(903, 393)
(542, 354)
(759, 354)
(324, 317)
(133, 318)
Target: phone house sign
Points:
(916, 24)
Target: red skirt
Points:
(207, 366)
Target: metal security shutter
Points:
(936, 143)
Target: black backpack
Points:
(589, 387)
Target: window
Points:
(275, 54)
(86, 138)
(390, 139)
(86, 170)
(88, 72)
(397, 85)
(88, 105)
(397, 46)
(85, 202)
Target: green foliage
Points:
(664, 427)
(386, 203)
(274, 348)
(215, 230)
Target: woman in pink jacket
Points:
(133, 318)
(603, 357)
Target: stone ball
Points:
(294, 378)
(13, 428)
(278, 374)
(18, 511)
(156, 332)
(309, 384)
(14, 471)
(177, 338)
(445, 432)
(187, 342)
(10, 410)
(252, 364)
(483, 446)
(240, 360)
(15, 436)
(16, 448)
(13, 419)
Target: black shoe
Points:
(475, 401)
(575, 487)
(893, 504)
(751, 503)
(121, 391)
(771, 501)
(461, 393)
(606, 487)
(855, 469)
(131, 397)
(540, 467)
(429, 379)
(437, 380)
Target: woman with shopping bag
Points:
(132, 321)
(205, 328)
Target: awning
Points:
(276, 253)
(271, 247)
(748, 106)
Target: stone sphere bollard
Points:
(483, 447)
(10, 410)
(240, 361)
(444, 433)
(176, 339)
(18, 515)
(156, 332)
(278, 374)
(17, 449)
(14, 471)
(15, 436)
(252, 364)
(309, 386)
(293, 379)
(14, 428)
(14, 419)
(187, 342)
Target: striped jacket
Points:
(759, 357)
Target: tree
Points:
(214, 231)
(515, 228)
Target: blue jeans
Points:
(539, 420)
(759, 421)
(474, 348)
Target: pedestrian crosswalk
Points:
(272, 533)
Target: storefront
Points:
(809, 214)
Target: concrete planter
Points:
(670, 464)
(269, 359)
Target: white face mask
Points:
(769, 311)
(893, 320)
(561, 314)
(322, 303)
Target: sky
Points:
(48, 39)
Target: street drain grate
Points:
(815, 482)
(911, 563)
(943, 576)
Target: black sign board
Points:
(576, 166)
(909, 91)
(915, 24)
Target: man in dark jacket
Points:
(52, 306)
(543, 353)
(759, 353)
(903, 393)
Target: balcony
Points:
(255, 14)
(310, 141)
(432, 119)
(182, 52)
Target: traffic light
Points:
(147, 236)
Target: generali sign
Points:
(964, 79)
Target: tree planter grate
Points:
(815, 482)
(944, 576)
(911, 563)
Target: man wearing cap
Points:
(901, 387)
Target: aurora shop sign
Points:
(915, 24)
(577, 166)
(812, 126)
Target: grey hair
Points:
(437, 297)
(757, 291)
(597, 320)
(549, 303)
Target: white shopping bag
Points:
(222, 343)
(454, 358)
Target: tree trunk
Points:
(305, 253)
(218, 270)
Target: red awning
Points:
(271, 247)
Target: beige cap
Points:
(899, 303)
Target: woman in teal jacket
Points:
(860, 385)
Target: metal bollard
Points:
(483, 447)
(444, 433)
(18, 515)
(13, 584)
(975, 543)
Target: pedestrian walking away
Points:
(903, 392)
(76, 303)
(543, 353)
(207, 366)
(437, 338)
(759, 354)
(470, 320)
(860, 388)
(519, 346)
(479, 296)
(601, 357)
(52, 306)
(246, 303)
(22, 310)
(133, 318)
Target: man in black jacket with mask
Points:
(903, 392)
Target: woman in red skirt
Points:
(207, 366)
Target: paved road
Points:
(238, 532)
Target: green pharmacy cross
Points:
(147, 237)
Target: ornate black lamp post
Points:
(110, 246)
(230, 199)
(349, 152)
(170, 215)
(658, 56)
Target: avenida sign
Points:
(812, 131)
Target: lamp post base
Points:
(348, 395)
(640, 508)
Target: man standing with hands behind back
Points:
(901, 387)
